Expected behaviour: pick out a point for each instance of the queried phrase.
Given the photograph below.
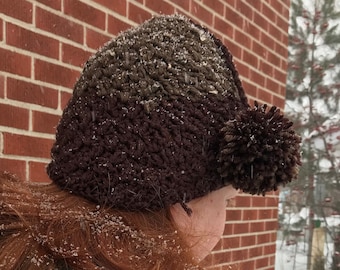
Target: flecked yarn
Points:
(156, 118)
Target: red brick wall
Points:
(43, 44)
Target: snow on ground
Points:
(294, 257)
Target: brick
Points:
(285, 11)
(259, 49)
(261, 263)
(283, 64)
(250, 59)
(85, 13)
(215, 5)
(181, 3)
(233, 214)
(266, 97)
(260, 21)
(137, 14)
(243, 39)
(267, 40)
(44, 122)
(234, 48)
(180, 12)
(231, 2)
(2, 86)
(273, 236)
(1, 27)
(221, 257)
(251, 101)
(232, 16)
(118, 6)
(268, 13)
(271, 225)
(279, 102)
(73, 55)
(243, 201)
(255, 252)
(15, 63)
(201, 12)
(95, 40)
(250, 89)
(272, 193)
(274, 31)
(280, 75)
(59, 26)
(28, 40)
(218, 246)
(257, 226)
(243, 69)
(256, 77)
(282, 24)
(228, 229)
(31, 93)
(27, 146)
(55, 74)
(19, 9)
(160, 6)
(65, 97)
(256, 5)
(269, 249)
(247, 265)
(265, 214)
(252, 30)
(244, 9)
(12, 116)
(284, 39)
(282, 90)
(266, 68)
(224, 26)
(248, 240)
(115, 25)
(271, 261)
(262, 238)
(55, 4)
(277, 6)
(16, 167)
(216, 34)
(241, 228)
(275, 193)
(275, 212)
(239, 255)
(231, 242)
(271, 84)
(250, 214)
(37, 172)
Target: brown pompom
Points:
(259, 150)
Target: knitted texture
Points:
(151, 118)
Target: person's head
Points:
(159, 117)
(159, 123)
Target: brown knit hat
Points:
(159, 116)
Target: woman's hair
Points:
(43, 227)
